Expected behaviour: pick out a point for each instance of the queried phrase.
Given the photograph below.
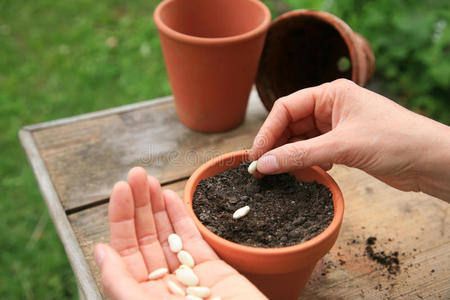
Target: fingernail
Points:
(267, 164)
(99, 255)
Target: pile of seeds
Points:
(185, 274)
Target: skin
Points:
(337, 122)
(341, 122)
(141, 217)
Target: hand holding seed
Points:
(252, 169)
(171, 257)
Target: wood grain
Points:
(85, 156)
(410, 220)
(84, 276)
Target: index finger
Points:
(285, 111)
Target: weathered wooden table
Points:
(77, 160)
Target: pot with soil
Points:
(293, 220)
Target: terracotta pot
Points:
(305, 48)
(211, 49)
(280, 273)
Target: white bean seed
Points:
(241, 212)
(199, 291)
(252, 167)
(186, 276)
(158, 273)
(184, 267)
(175, 288)
(186, 259)
(175, 243)
(192, 297)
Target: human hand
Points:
(341, 122)
(141, 217)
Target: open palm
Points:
(141, 217)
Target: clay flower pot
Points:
(211, 49)
(306, 48)
(280, 273)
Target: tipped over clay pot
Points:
(280, 273)
(211, 49)
(305, 48)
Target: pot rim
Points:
(312, 243)
(260, 29)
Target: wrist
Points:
(433, 162)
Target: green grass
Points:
(55, 62)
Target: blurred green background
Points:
(62, 58)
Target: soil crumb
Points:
(389, 260)
(283, 211)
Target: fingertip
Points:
(99, 254)
(121, 187)
(137, 173)
(172, 201)
(121, 202)
(153, 182)
(171, 195)
(268, 164)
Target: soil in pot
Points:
(283, 210)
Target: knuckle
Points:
(281, 111)
(338, 90)
(278, 105)
(147, 239)
(343, 83)
(342, 86)
(128, 251)
(261, 141)
(295, 157)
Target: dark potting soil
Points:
(389, 260)
(283, 211)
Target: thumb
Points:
(117, 280)
(322, 150)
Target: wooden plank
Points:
(86, 284)
(412, 223)
(85, 158)
(410, 220)
(98, 114)
(97, 231)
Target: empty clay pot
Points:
(305, 48)
(211, 49)
(280, 273)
